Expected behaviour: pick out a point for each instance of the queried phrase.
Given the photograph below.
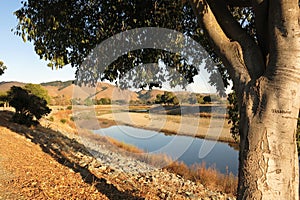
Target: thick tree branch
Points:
(285, 34)
(261, 12)
(238, 3)
(229, 51)
(235, 32)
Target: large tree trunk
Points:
(269, 108)
(266, 78)
(268, 154)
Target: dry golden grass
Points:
(210, 177)
(124, 146)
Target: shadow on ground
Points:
(58, 146)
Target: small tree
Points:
(38, 90)
(192, 99)
(175, 100)
(207, 99)
(2, 68)
(3, 99)
(158, 98)
(103, 101)
(29, 107)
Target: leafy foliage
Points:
(103, 101)
(233, 112)
(66, 31)
(28, 106)
(2, 68)
(38, 90)
(167, 98)
(3, 98)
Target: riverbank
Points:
(201, 127)
(50, 162)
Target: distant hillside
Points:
(5, 86)
(61, 85)
(62, 93)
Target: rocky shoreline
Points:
(143, 179)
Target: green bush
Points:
(63, 121)
(51, 118)
(29, 107)
(69, 107)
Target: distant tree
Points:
(38, 90)
(158, 98)
(29, 107)
(103, 101)
(2, 68)
(3, 98)
(200, 99)
(175, 100)
(167, 98)
(192, 99)
(207, 99)
(88, 102)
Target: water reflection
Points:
(183, 148)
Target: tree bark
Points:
(268, 161)
(267, 85)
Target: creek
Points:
(189, 150)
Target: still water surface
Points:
(190, 150)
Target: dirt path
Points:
(28, 173)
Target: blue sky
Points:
(22, 63)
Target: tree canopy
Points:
(29, 107)
(38, 90)
(167, 98)
(68, 36)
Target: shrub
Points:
(29, 107)
(72, 118)
(51, 118)
(63, 121)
